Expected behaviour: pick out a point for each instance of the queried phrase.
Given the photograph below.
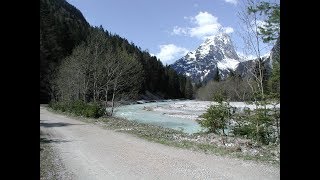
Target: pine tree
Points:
(188, 89)
(271, 30)
(217, 77)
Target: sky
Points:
(165, 28)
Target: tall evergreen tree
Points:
(217, 77)
(271, 30)
(188, 89)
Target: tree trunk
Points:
(257, 131)
(94, 90)
(278, 130)
(113, 95)
(106, 96)
(98, 95)
(277, 124)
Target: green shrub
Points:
(245, 130)
(217, 116)
(215, 119)
(93, 110)
(255, 124)
(79, 108)
(61, 106)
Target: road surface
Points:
(88, 151)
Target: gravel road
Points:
(88, 151)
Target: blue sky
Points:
(166, 28)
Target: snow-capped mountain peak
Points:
(216, 53)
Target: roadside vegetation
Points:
(79, 108)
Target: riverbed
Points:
(179, 115)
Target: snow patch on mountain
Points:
(228, 64)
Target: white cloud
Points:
(205, 24)
(234, 2)
(203, 32)
(170, 52)
(186, 17)
(205, 18)
(229, 30)
(179, 31)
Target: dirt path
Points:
(89, 152)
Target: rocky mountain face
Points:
(245, 67)
(217, 56)
(217, 53)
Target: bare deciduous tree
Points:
(95, 70)
(251, 21)
(127, 78)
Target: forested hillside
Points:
(158, 79)
(63, 27)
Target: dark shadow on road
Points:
(44, 140)
(59, 124)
